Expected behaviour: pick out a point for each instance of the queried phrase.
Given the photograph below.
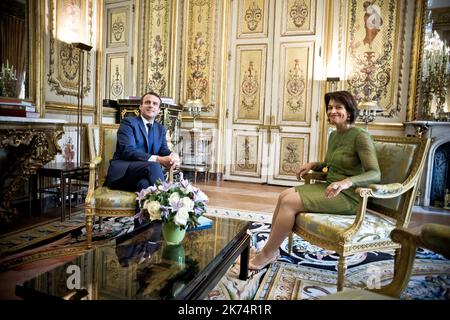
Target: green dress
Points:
(350, 155)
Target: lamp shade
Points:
(370, 106)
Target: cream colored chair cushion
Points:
(105, 199)
(395, 165)
(329, 226)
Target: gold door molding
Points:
(295, 83)
(253, 18)
(374, 52)
(299, 17)
(117, 71)
(67, 21)
(118, 50)
(118, 27)
(250, 84)
(247, 153)
(293, 149)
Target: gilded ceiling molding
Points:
(63, 59)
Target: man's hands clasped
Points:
(169, 162)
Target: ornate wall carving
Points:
(299, 17)
(295, 82)
(253, 20)
(118, 50)
(246, 154)
(200, 46)
(251, 77)
(293, 150)
(158, 46)
(374, 45)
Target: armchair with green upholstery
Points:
(383, 206)
(434, 237)
(102, 201)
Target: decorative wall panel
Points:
(295, 82)
(251, 77)
(375, 33)
(246, 154)
(118, 25)
(70, 21)
(293, 149)
(253, 18)
(157, 46)
(298, 17)
(117, 69)
(118, 50)
(201, 50)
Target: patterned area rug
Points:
(310, 272)
(28, 237)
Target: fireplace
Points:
(436, 174)
(440, 179)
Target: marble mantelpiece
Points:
(439, 132)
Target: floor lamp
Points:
(82, 47)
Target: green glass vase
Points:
(172, 233)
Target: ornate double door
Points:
(274, 89)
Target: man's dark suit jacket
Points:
(132, 146)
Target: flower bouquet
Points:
(178, 203)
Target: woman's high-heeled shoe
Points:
(255, 267)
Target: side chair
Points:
(382, 208)
(102, 201)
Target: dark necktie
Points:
(150, 138)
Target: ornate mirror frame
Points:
(36, 14)
(415, 96)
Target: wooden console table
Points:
(25, 146)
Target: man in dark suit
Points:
(141, 149)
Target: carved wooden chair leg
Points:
(342, 268)
(89, 219)
(290, 242)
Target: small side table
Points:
(196, 152)
(67, 173)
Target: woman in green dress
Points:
(350, 162)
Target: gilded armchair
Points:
(382, 208)
(435, 237)
(102, 201)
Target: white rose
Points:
(153, 209)
(181, 217)
(174, 199)
(189, 189)
(188, 204)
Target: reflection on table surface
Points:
(139, 265)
